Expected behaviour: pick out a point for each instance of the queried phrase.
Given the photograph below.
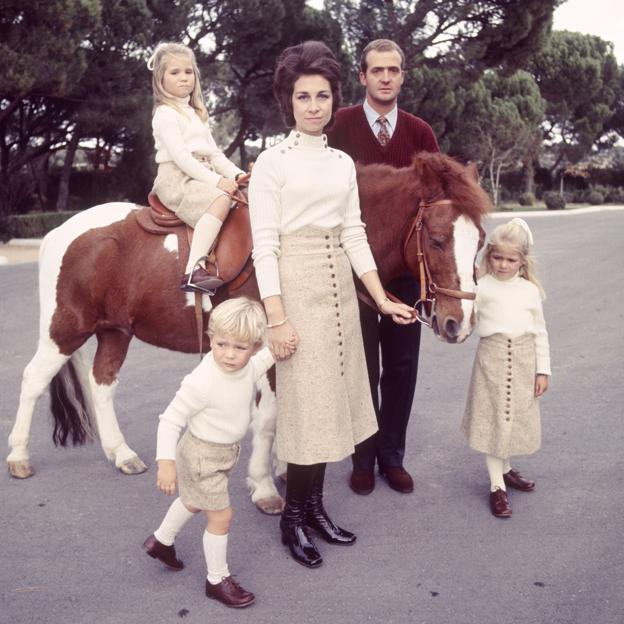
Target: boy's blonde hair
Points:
(158, 65)
(517, 236)
(241, 317)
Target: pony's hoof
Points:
(272, 505)
(133, 466)
(20, 469)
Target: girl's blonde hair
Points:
(515, 235)
(241, 317)
(157, 64)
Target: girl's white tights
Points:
(204, 235)
(497, 467)
(177, 516)
(215, 551)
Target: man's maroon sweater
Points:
(352, 134)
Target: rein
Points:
(428, 288)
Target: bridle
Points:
(429, 290)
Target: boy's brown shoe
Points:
(166, 554)
(230, 593)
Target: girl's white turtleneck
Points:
(298, 183)
(513, 307)
(178, 132)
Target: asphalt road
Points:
(71, 535)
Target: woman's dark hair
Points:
(310, 58)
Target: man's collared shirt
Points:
(372, 116)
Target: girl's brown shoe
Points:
(515, 480)
(499, 504)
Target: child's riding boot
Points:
(200, 280)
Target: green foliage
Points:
(578, 77)
(496, 123)
(36, 225)
(470, 36)
(554, 201)
(526, 199)
(41, 45)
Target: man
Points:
(377, 131)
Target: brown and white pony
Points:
(101, 274)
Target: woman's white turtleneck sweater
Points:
(298, 183)
(178, 132)
(513, 307)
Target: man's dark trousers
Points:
(400, 345)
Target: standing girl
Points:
(512, 363)
(308, 236)
(194, 177)
(214, 403)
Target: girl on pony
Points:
(194, 177)
(512, 363)
(213, 403)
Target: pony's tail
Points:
(71, 409)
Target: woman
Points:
(308, 236)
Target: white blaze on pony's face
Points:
(466, 237)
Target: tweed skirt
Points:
(203, 469)
(323, 395)
(502, 416)
(187, 197)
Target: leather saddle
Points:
(232, 253)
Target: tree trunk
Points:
(492, 183)
(528, 176)
(39, 172)
(498, 172)
(63, 189)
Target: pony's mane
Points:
(449, 179)
(429, 177)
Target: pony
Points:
(102, 275)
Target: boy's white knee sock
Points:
(506, 466)
(204, 235)
(495, 470)
(177, 516)
(215, 551)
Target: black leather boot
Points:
(294, 532)
(316, 517)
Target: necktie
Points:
(383, 136)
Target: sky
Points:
(604, 18)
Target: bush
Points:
(595, 198)
(36, 224)
(554, 201)
(526, 199)
(615, 195)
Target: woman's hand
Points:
(541, 384)
(166, 476)
(227, 185)
(243, 180)
(401, 313)
(283, 341)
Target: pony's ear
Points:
(472, 171)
